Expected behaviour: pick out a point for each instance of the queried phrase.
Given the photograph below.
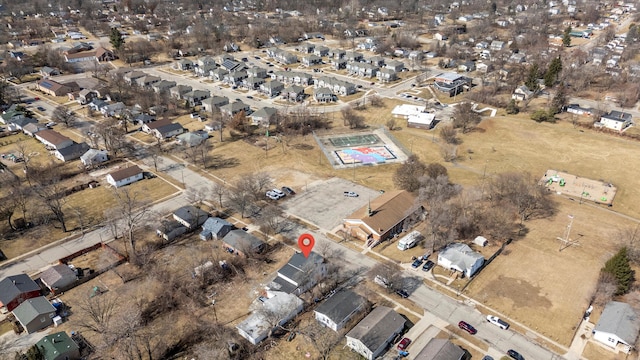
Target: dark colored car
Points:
(403, 344)
(41, 108)
(428, 265)
(515, 355)
(467, 327)
(487, 357)
(416, 264)
(403, 294)
(288, 190)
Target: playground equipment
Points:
(556, 178)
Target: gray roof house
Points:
(618, 326)
(170, 230)
(147, 81)
(215, 228)
(257, 72)
(337, 310)
(272, 88)
(179, 90)
(184, 64)
(460, 257)
(373, 334)
(75, 151)
(163, 85)
(252, 83)
(293, 93)
(168, 130)
(15, 289)
(256, 327)
(299, 274)
(33, 128)
(35, 314)
(193, 138)
(190, 216)
(195, 97)
(243, 243)
(263, 116)
(219, 74)
(234, 108)
(58, 278)
(209, 104)
(94, 157)
(324, 94)
(440, 349)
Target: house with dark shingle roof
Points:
(58, 277)
(440, 349)
(168, 130)
(75, 151)
(337, 310)
(384, 217)
(299, 274)
(373, 334)
(58, 346)
(618, 326)
(215, 228)
(125, 176)
(15, 289)
(35, 314)
(243, 243)
(53, 139)
(190, 216)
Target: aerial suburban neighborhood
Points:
(334, 180)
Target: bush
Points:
(541, 116)
(619, 267)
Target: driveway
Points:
(324, 203)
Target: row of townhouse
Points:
(292, 77)
(343, 88)
(282, 56)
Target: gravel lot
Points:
(324, 203)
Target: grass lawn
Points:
(597, 352)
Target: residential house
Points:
(387, 215)
(32, 128)
(49, 71)
(114, 109)
(482, 45)
(215, 228)
(284, 57)
(97, 105)
(170, 230)
(19, 122)
(163, 86)
(615, 120)
(467, 66)
(293, 93)
(375, 60)
(257, 326)
(233, 66)
(321, 51)
(234, 108)
(149, 127)
(167, 131)
(242, 243)
(263, 116)
(147, 81)
(618, 326)
(257, 72)
(214, 102)
(323, 95)
(205, 70)
(497, 45)
(93, 157)
(35, 314)
(522, 93)
(58, 278)
(85, 96)
(337, 53)
(299, 274)
(353, 56)
(219, 74)
(195, 97)
(142, 119)
(15, 289)
(213, 126)
(518, 58)
(440, 349)
(234, 78)
(132, 76)
(125, 176)
(58, 346)
(460, 257)
(190, 216)
(272, 88)
(292, 77)
(178, 91)
(193, 138)
(395, 65)
(386, 75)
(53, 140)
(338, 64)
(205, 60)
(343, 88)
(313, 35)
(311, 60)
(184, 64)
(305, 48)
(362, 69)
(54, 88)
(72, 152)
(578, 110)
(339, 309)
(375, 332)
(252, 83)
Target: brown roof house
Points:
(440, 349)
(53, 139)
(55, 88)
(387, 215)
(125, 176)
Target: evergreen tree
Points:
(115, 39)
(566, 37)
(532, 77)
(559, 100)
(619, 267)
(512, 107)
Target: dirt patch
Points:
(529, 295)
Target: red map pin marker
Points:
(305, 243)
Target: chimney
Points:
(369, 211)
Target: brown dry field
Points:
(597, 352)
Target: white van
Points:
(409, 241)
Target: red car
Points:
(403, 344)
(467, 327)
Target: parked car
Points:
(273, 196)
(279, 193)
(467, 327)
(41, 108)
(403, 344)
(249, 97)
(487, 357)
(51, 124)
(497, 322)
(416, 264)
(36, 98)
(402, 293)
(428, 265)
(351, 194)
(515, 355)
(288, 190)
(194, 115)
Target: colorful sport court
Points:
(365, 155)
(355, 140)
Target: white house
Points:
(405, 110)
(460, 257)
(618, 326)
(337, 310)
(279, 305)
(422, 120)
(614, 120)
(299, 274)
(522, 93)
(125, 176)
(372, 335)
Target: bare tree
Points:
(22, 150)
(449, 134)
(524, 194)
(134, 210)
(389, 273)
(196, 195)
(408, 175)
(323, 340)
(63, 115)
(465, 118)
(50, 191)
(271, 219)
(220, 191)
(351, 118)
(98, 311)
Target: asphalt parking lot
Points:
(324, 203)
